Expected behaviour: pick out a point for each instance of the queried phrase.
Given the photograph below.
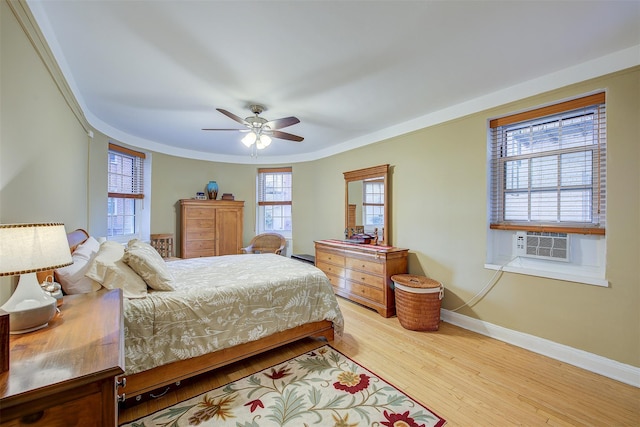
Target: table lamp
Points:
(24, 250)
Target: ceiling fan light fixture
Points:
(249, 139)
(265, 140)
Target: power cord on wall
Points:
(490, 284)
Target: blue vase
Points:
(212, 190)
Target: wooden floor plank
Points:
(466, 378)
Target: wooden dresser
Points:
(362, 273)
(210, 227)
(65, 374)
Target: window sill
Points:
(588, 279)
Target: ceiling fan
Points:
(260, 130)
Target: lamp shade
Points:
(29, 248)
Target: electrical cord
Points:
(490, 284)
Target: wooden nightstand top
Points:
(83, 343)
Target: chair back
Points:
(266, 243)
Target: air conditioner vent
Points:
(543, 245)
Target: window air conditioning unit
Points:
(542, 245)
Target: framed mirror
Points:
(367, 203)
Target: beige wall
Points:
(438, 211)
(43, 147)
(438, 200)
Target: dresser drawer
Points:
(372, 280)
(336, 282)
(200, 224)
(85, 411)
(200, 245)
(372, 267)
(201, 234)
(364, 291)
(329, 257)
(198, 212)
(330, 269)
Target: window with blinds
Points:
(274, 200)
(548, 168)
(373, 202)
(125, 177)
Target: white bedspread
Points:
(223, 301)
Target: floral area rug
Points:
(319, 388)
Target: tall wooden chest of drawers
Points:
(210, 227)
(362, 273)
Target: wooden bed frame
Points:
(161, 376)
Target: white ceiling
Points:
(151, 73)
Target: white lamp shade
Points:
(27, 248)
(249, 139)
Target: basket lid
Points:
(414, 281)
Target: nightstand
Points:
(65, 374)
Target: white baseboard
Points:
(600, 365)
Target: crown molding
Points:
(29, 25)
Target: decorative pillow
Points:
(149, 265)
(72, 277)
(108, 269)
(119, 275)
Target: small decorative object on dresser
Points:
(212, 190)
(227, 196)
(361, 272)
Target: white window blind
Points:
(548, 168)
(274, 200)
(125, 176)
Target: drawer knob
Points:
(121, 383)
(32, 418)
(121, 398)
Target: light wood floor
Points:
(466, 378)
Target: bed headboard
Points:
(75, 239)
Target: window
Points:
(373, 203)
(274, 201)
(125, 193)
(548, 168)
(547, 177)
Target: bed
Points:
(220, 310)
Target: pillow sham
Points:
(108, 269)
(147, 262)
(72, 277)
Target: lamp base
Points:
(29, 308)
(24, 331)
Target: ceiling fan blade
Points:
(238, 130)
(282, 123)
(285, 135)
(233, 116)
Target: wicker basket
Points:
(418, 301)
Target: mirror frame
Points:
(367, 173)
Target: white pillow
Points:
(87, 249)
(72, 277)
(149, 265)
(108, 269)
